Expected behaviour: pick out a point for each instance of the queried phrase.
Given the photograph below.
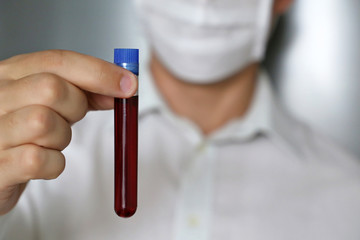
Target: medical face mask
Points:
(206, 41)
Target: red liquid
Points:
(126, 138)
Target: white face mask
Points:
(205, 41)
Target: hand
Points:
(41, 95)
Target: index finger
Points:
(86, 72)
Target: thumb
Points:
(86, 72)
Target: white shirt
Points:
(266, 176)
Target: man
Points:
(218, 157)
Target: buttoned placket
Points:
(194, 206)
(193, 211)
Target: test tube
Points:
(126, 140)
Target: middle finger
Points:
(44, 89)
(34, 124)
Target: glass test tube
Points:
(126, 140)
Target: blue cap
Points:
(126, 55)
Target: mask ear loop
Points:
(262, 28)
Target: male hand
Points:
(41, 95)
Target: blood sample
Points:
(126, 140)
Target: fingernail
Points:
(126, 84)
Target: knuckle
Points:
(81, 107)
(67, 138)
(52, 58)
(52, 88)
(32, 161)
(59, 168)
(41, 120)
(12, 121)
(102, 72)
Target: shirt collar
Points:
(258, 119)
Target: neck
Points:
(210, 106)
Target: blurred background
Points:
(313, 56)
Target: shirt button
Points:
(193, 221)
(202, 147)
